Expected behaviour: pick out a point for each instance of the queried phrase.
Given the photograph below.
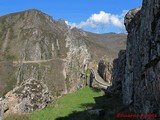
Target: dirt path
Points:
(35, 61)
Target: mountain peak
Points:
(31, 18)
(35, 11)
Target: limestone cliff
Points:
(140, 82)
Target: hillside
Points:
(44, 58)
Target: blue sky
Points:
(98, 16)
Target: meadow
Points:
(69, 107)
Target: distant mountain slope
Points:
(112, 42)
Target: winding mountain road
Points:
(99, 80)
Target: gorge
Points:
(42, 59)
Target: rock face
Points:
(141, 84)
(35, 49)
(105, 70)
(118, 72)
(1, 109)
(28, 97)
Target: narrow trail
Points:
(97, 78)
(34, 61)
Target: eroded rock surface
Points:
(140, 87)
(105, 70)
(28, 97)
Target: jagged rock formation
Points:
(36, 47)
(105, 70)
(140, 83)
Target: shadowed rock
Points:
(141, 83)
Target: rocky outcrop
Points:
(131, 18)
(1, 109)
(140, 82)
(28, 97)
(105, 70)
(77, 61)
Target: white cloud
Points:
(102, 20)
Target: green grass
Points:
(65, 106)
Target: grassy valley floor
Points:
(73, 106)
